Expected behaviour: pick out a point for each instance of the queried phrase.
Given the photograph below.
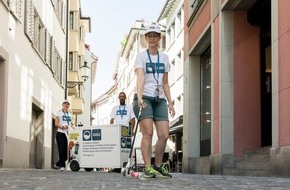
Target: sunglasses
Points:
(152, 35)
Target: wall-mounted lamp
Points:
(85, 70)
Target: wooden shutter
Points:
(48, 48)
(19, 9)
(29, 20)
(52, 54)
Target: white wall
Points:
(29, 77)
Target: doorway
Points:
(260, 15)
(54, 153)
(205, 103)
(36, 155)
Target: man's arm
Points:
(112, 121)
(133, 122)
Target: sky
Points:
(110, 21)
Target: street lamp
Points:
(85, 70)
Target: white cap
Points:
(153, 28)
(65, 101)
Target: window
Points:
(70, 61)
(58, 67)
(71, 20)
(205, 102)
(179, 20)
(168, 37)
(172, 32)
(80, 61)
(60, 11)
(39, 41)
(73, 61)
(163, 43)
(82, 33)
(171, 76)
(193, 7)
(182, 17)
(179, 64)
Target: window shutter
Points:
(48, 48)
(63, 73)
(52, 54)
(15, 7)
(12, 5)
(42, 43)
(63, 18)
(29, 20)
(19, 9)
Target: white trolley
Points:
(99, 146)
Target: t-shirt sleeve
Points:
(57, 115)
(138, 62)
(112, 115)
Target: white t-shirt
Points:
(64, 119)
(153, 72)
(122, 114)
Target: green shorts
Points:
(156, 110)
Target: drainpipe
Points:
(67, 51)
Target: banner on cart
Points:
(100, 146)
(125, 137)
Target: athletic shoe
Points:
(163, 170)
(62, 169)
(56, 167)
(150, 172)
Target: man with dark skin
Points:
(122, 114)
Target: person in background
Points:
(122, 114)
(152, 67)
(62, 122)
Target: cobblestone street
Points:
(52, 179)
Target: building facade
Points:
(102, 107)
(77, 64)
(32, 74)
(236, 87)
(172, 16)
(85, 119)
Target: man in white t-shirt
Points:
(122, 114)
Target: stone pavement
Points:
(32, 179)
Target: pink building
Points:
(237, 87)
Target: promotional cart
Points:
(100, 146)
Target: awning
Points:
(176, 125)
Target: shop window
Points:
(205, 104)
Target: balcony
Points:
(73, 77)
(74, 41)
(77, 105)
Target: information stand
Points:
(100, 146)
